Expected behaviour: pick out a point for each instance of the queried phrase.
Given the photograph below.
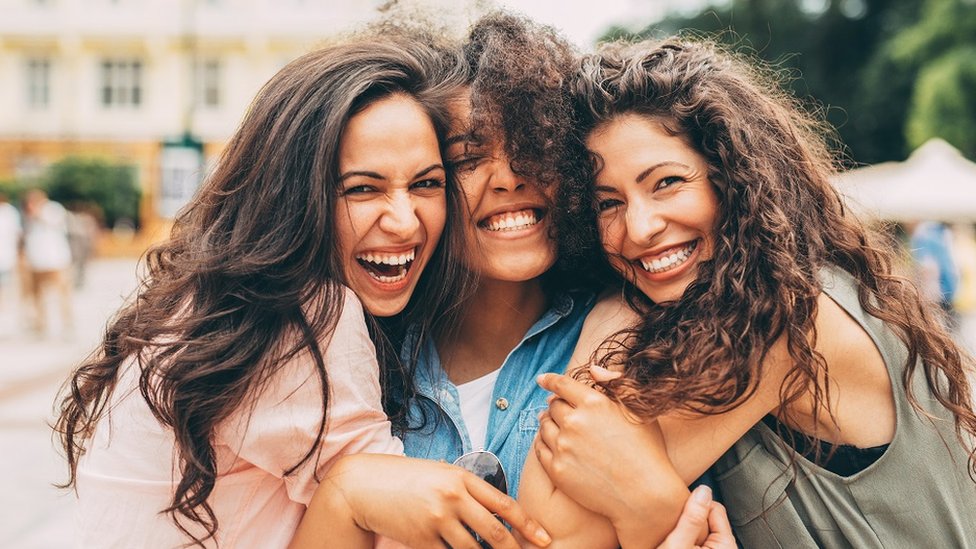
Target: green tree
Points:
(110, 187)
(939, 51)
(829, 53)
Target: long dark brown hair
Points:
(251, 276)
(781, 223)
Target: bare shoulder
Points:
(610, 315)
(844, 344)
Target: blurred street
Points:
(33, 513)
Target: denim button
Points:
(501, 403)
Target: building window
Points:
(38, 83)
(207, 83)
(121, 83)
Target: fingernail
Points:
(702, 494)
(543, 536)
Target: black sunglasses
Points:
(486, 466)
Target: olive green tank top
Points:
(918, 494)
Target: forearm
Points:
(329, 522)
(645, 525)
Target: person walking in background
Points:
(9, 243)
(82, 230)
(48, 258)
(938, 277)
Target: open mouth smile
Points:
(512, 221)
(385, 267)
(669, 260)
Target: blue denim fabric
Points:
(518, 399)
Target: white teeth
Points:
(511, 221)
(666, 263)
(389, 279)
(388, 259)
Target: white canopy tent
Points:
(935, 183)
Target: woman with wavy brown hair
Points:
(772, 337)
(243, 369)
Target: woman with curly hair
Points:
(773, 339)
(243, 370)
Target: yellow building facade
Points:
(130, 80)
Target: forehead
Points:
(393, 120)
(463, 126)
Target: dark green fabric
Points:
(917, 495)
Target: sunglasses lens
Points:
(485, 466)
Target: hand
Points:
(606, 460)
(700, 511)
(426, 503)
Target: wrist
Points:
(652, 515)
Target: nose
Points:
(400, 218)
(645, 221)
(503, 177)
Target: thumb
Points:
(601, 374)
(693, 522)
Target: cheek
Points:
(351, 224)
(433, 217)
(611, 233)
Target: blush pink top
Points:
(129, 471)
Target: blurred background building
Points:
(153, 87)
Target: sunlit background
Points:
(118, 108)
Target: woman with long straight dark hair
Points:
(243, 368)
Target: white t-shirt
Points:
(9, 234)
(46, 239)
(475, 398)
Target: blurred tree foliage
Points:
(12, 189)
(110, 188)
(888, 73)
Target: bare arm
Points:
(421, 503)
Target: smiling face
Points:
(392, 204)
(507, 221)
(657, 208)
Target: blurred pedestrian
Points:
(48, 258)
(9, 242)
(936, 271)
(82, 230)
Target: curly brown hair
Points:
(781, 222)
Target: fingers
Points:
(492, 501)
(693, 521)
(566, 388)
(601, 374)
(559, 410)
(719, 528)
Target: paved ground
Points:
(34, 514)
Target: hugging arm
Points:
(421, 503)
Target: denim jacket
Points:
(513, 420)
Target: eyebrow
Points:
(374, 175)
(643, 175)
(471, 136)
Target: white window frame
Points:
(121, 83)
(208, 80)
(37, 75)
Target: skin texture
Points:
(392, 199)
(432, 502)
(653, 202)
